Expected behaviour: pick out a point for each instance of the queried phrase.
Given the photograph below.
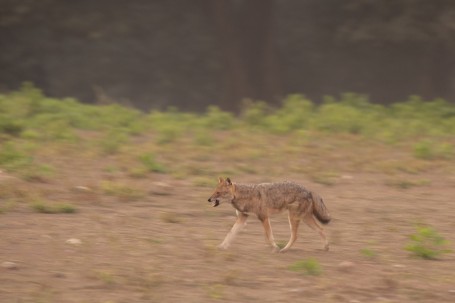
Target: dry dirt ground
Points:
(161, 247)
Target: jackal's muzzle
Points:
(215, 202)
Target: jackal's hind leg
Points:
(294, 226)
(311, 222)
(269, 233)
(238, 226)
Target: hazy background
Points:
(108, 203)
(189, 54)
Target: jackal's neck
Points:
(243, 193)
(243, 189)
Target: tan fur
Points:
(265, 199)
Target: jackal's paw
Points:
(276, 249)
(222, 247)
(326, 247)
(282, 250)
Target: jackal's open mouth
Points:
(214, 202)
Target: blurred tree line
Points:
(192, 53)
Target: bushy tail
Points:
(319, 209)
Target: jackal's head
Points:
(224, 191)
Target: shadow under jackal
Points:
(265, 199)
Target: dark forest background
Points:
(192, 53)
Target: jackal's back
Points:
(280, 194)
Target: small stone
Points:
(301, 289)
(161, 184)
(59, 275)
(160, 189)
(399, 265)
(82, 188)
(9, 265)
(346, 266)
(74, 241)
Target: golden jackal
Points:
(267, 198)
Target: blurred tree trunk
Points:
(245, 37)
(436, 79)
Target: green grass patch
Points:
(32, 115)
(7, 205)
(204, 182)
(113, 142)
(402, 183)
(57, 208)
(112, 169)
(430, 150)
(168, 134)
(325, 178)
(38, 173)
(217, 119)
(216, 291)
(138, 172)
(151, 164)
(281, 244)
(204, 137)
(10, 126)
(13, 158)
(309, 266)
(122, 191)
(423, 150)
(427, 243)
(248, 169)
(105, 276)
(368, 252)
(261, 138)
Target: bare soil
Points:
(161, 246)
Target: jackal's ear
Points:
(220, 180)
(228, 181)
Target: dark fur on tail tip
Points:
(322, 220)
(319, 210)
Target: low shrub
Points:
(309, 266)
(59, 208)
(427, 243)
(149, 162)
(121, 191)
(13, 158)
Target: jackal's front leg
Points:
(238, 226)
